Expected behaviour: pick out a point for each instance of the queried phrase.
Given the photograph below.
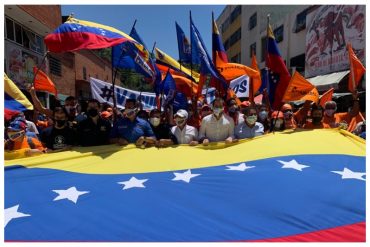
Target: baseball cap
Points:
(182, 113)
(18, 125)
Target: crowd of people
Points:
(227, 121)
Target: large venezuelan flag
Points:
(76, 34)
(306, 186)
(14, 100)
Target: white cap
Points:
(182, 113)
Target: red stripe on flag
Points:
(73, 41)
(348, 233)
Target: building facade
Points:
(311, 38)
(25, 29)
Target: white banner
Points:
(102, 91)
(240, 86)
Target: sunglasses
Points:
(14, 135)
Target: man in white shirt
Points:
(249, 128)
(217, 126)
(185, 134)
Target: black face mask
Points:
(316, 119)
(60, 123)
(92, 112)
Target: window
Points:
(252, 21)
(252, 49)
(9, 29)
(298, 62)
(227, 44)
(84, 72)
(18, 33)
(236, 12)
(263, 48)
(235, 37)
(55, 66)
(236, 58)
(279, 34)
(225, 25)
(300, 23)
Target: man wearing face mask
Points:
(60, 136)
(94, 130)
(333, 120)
(70, 104)
(277, 121)
(161, 130)
(184, 133)
(218, 126)
(316, 115)
(233, 111)
(249, 128)
(287, 110)
(131, 129)
(263, 117)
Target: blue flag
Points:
(198, 49)
(184, 45)
(169, 88)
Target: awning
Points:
(325, 82)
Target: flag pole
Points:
(349, 46)
(191, 61)
(39, 67)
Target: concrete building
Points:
(25, 29)
(310, 38)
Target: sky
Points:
(155, 23)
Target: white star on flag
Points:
(242, 167)
(293, 164)
(133, 183)
(71, 194)
(186, 176)
(348, 174)
(12, 213)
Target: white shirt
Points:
(186, 135)
(31, 126)
(216, 130)
(242, 130)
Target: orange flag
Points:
(357, 70)
(254, 64)
(231, 71)
(327, 96)
(231, 94)
(300, 89)
(43, 83)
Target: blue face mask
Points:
(263, 115)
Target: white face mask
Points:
(251, 120)
(217, 111)
(155, 121)
(179, 121)
(130, 112)
(278, 123)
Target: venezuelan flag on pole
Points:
(279, 76)
(218, 49)
(14, 100)
(308, 185)
(77, 34)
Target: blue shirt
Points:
(131, 131)
(242, 130)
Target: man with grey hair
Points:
(217, 126)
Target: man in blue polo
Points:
(132, 129)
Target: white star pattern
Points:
(242, 167)
(12, 213)
(185, 176)
(348, 174)
(71, 194)
(133, 183)
(293, 164)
